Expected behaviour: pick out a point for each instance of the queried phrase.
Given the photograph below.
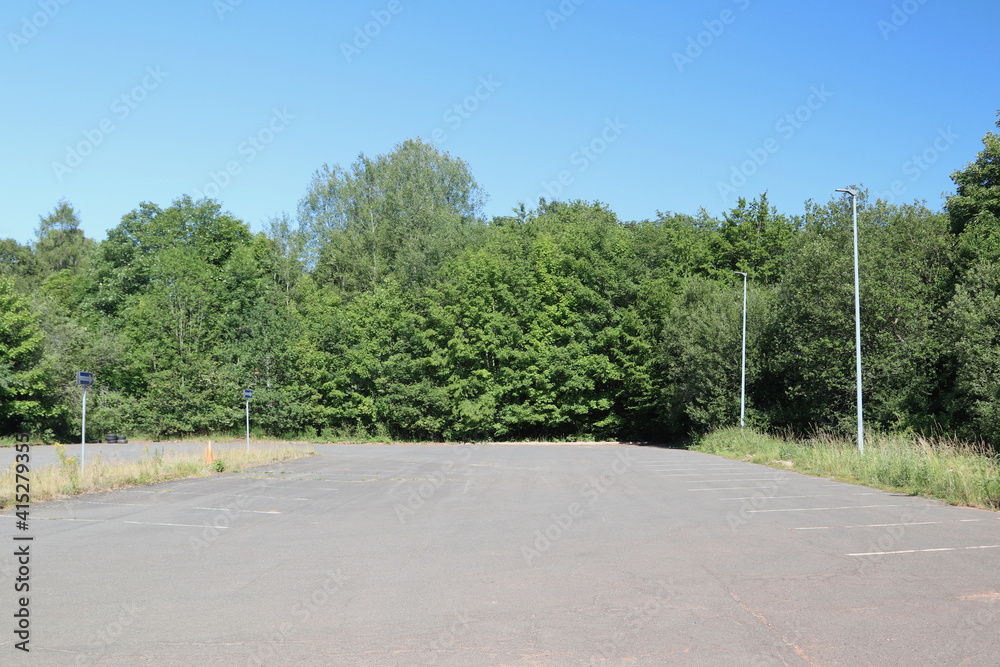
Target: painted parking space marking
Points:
(757, 497)
(727, 481)
(817, 495)
(730, 488)
(179, 525)
(697, 474)
(821, 509)
(871, 525)
(917, 551)
(225, 509)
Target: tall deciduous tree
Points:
(753, 238)
(974, 325)
(128, 256)
(975, 208)
(61, 243)
(400, 214)
(26, 400)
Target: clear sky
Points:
(645, 106)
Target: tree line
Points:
(389, 306)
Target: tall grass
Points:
(64, 479)
(947, 469)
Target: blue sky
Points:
(644, 106)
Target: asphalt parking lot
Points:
(505, 555)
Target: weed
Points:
(65, 479)
(956, 472)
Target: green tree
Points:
(905, 262)
(400, 214)
(974, 327)
(173, 327)
(19, 263)
(974, 209)
(753, 238)
(128, 256)
(61, 244)
(25, 389)
(701, 350)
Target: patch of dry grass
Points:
(64, 479)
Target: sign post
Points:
(84, 379)
(248, 394)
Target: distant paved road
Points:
(506, 555)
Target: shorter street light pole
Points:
(743, 382)
(857, 315)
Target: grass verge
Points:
(948, 470)
(63, 479)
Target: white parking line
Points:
(819, 495)
(726, 481)
(225, 509)
(871, 525)
(730, 488)
(662, 468)
(819, 509)
(824, 495)
(181, 525)
(917, 551)
(696, 474)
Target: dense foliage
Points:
(391, 308)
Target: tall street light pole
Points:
(743, 383)
(857, 315)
